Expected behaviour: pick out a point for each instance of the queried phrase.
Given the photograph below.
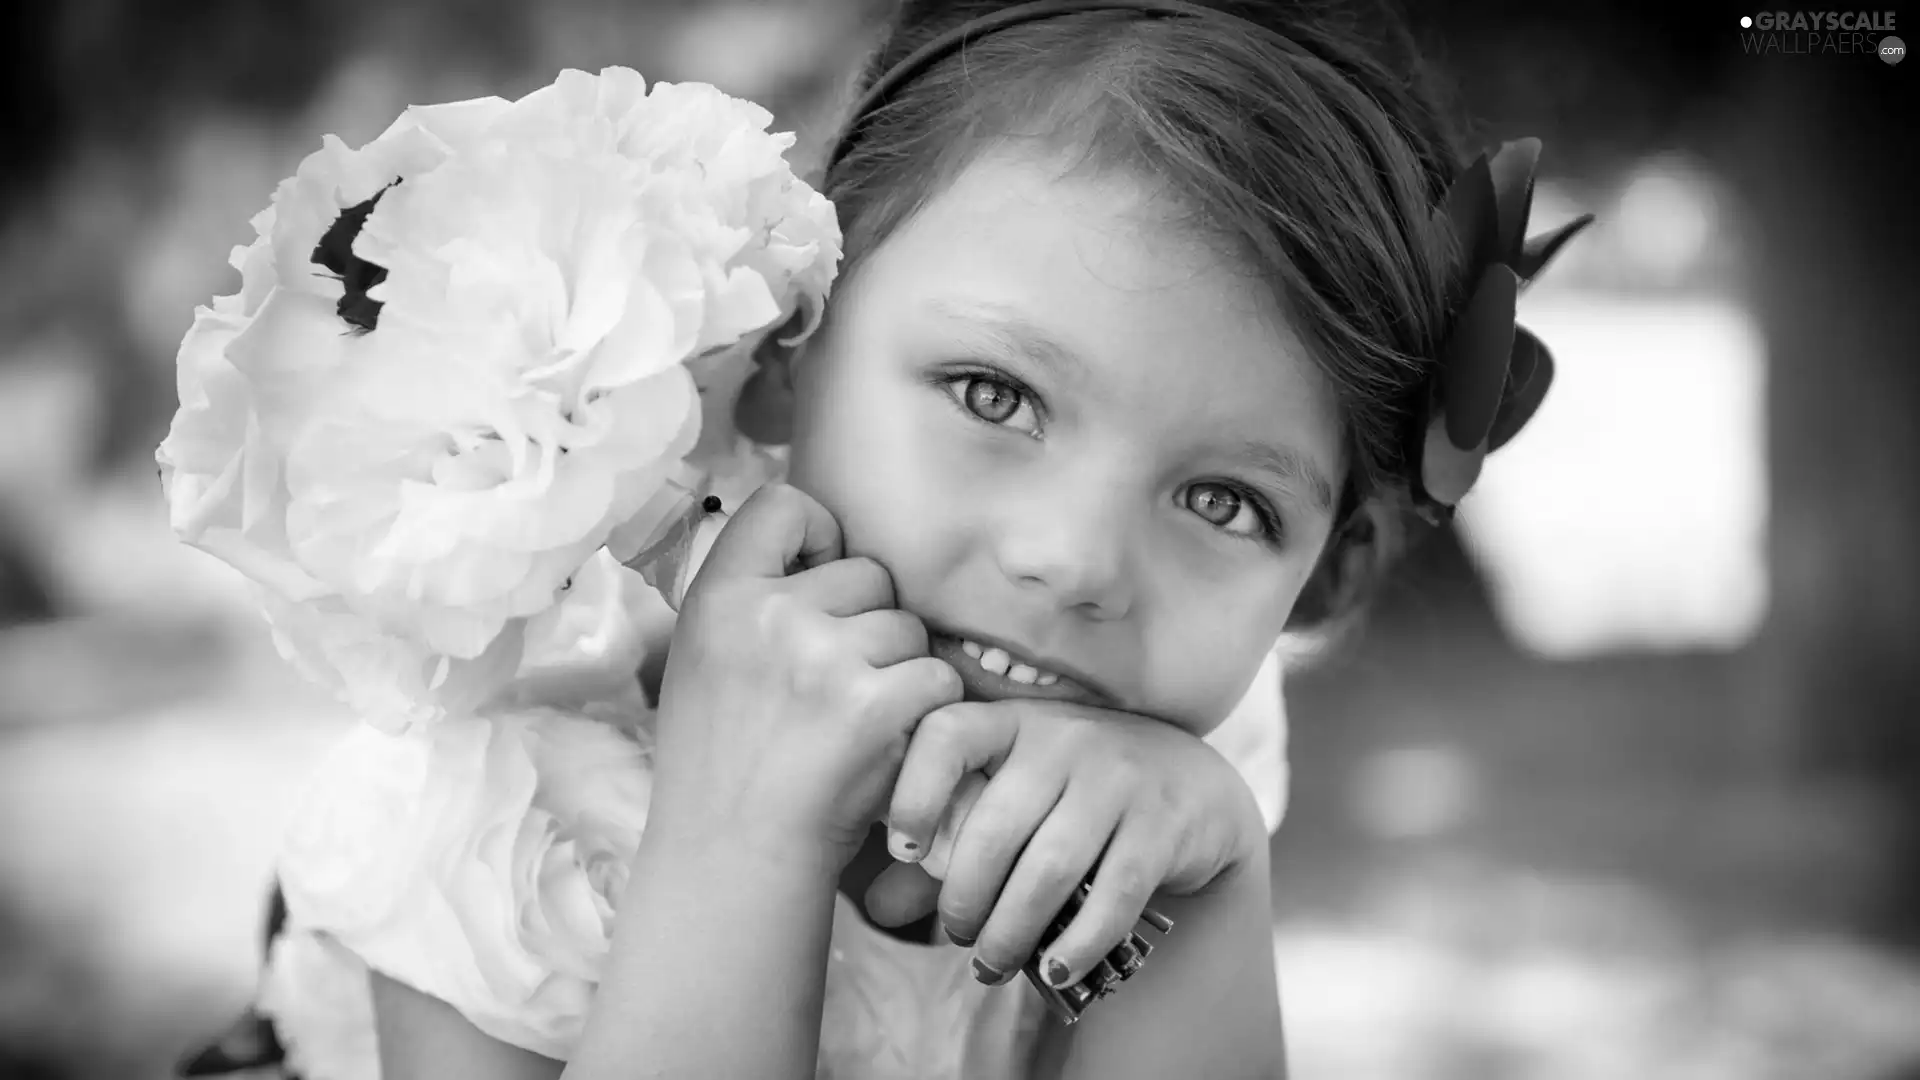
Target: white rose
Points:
(353, 855)
(492, 887)
(321, 1004)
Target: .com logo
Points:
(1892, 49)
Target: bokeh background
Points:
(1623, 781)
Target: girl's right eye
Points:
(995, 401)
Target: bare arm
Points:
(1205, 1005)
(422, 1037)
(718, 966)
(718, 969)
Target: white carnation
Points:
(417, 459)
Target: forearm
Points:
(1205, 1005)
(718, 966)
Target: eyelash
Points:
(954, 382)
(1271, 533)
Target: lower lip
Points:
(984, 685)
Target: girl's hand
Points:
(790, 690)
(1070, 787)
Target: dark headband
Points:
(957, 38)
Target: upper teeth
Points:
(996, 660)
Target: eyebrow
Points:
(1293, 466)
(1016, 335)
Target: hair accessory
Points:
(917, 62)
(1492, 374)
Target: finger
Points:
(846, 587)
(1013, 806)
(901, 894)
(1129, 872)
(1048, 873)
(776, 527)
(948, 744)
(898, 696)
(886, 637)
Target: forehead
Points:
(1171, 329)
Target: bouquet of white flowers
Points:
(476, 383)
(469, 358)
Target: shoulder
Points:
(1254, 738)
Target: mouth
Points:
(994, 670)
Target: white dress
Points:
(474, 861)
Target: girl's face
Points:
(1087, 449)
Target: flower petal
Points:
(1473, 214)
(1473, 366)
(1447, 471)
(1525, 393)
(1540, 250)
(1512, 169)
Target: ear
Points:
(1347, 569)
(764, 411)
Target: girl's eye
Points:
(995, 401)
(991, 401)
(1229, 511)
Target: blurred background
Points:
(1623, 781)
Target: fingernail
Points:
(1157, 921)
(902, 847)
(959, 939)
(986, 974)
(1056, 972)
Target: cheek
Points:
(1210, 644)
(861, 448)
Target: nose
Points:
(1070, 540)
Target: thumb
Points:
(901, 894)
(778, 528)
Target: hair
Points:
(1313, 155)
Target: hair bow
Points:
(1492, 373)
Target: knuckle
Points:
(871, 574)
(1054, 869)
(939, 732)
(865, 693)
(777, 617)
(768, 501)
(780, 496)
(1129, 884)
(814, 645)
(910, 631)
(944, 683)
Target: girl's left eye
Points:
(1229, 510)
(995, 401)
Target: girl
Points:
(1144, 348)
